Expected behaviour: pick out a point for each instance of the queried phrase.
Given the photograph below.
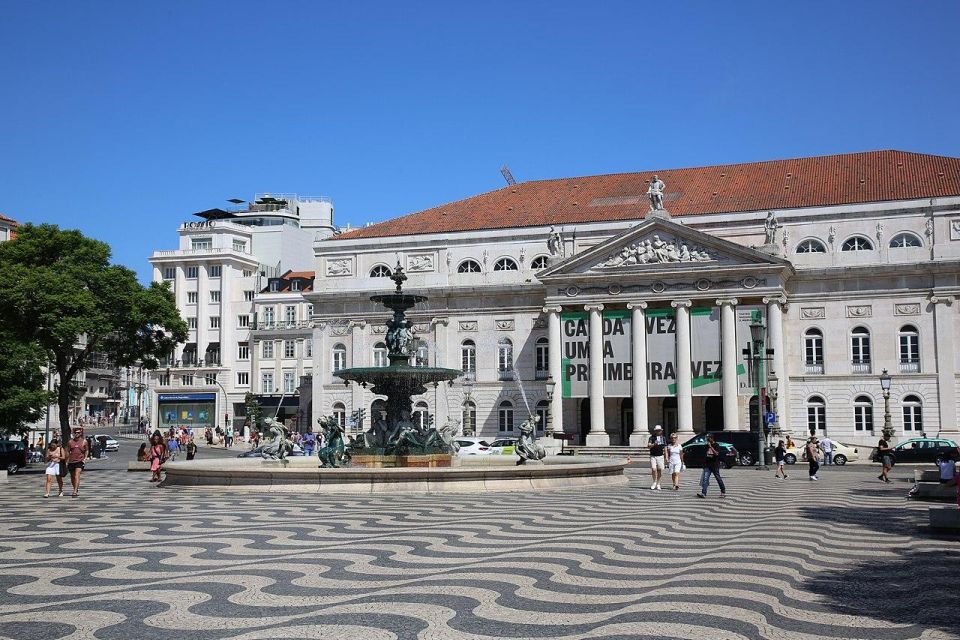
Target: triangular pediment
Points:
(656, 246)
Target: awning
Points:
(213, 346)
(190, 346)
(289, 401)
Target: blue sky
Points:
(123, 118)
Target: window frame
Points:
(816, 414)
(505, 263)
(853, 244)
(863, 413)
(469, 265)
(809, 244)
(912, 404)
(505, 417)
(906, 236)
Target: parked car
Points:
(13, 455)
(472, 447)
(745, 442)
(842, 454)
(695, 453)
(503, 446)
(107, 443)
(255, 452)
(922, 450)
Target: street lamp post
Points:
(469, 417)
(885, 380)
(755, 351)
(551, 387)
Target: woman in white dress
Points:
(674, 459)
(54, 457)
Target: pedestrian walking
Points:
(885, 455)
(711, 466)
(826, 445)
(812, 453)
(142, 454)
(780, 456)
(674, 458)
(54, 458)
(173, 447)
(656, 445)
(191, 449)
(77, 450)
(158, 455)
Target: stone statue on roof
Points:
(555, 243)
(770, 227)
(655, 192)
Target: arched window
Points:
(340, 414)
(505, 416)
(912, 414)
(505, 264)
(816, 415)
(543, 409)
(422, 356)
(380, 355)
(505, 359)
(540, 262)
(468, 358)
(469, 266)
(813, 351)
(381, 271)
(543, 359)
(811, 245)
(904, 240)
(421, 415)
(339, 358)
(860, 350)
(856, 243)
(909, 339)
(378, 410)
(863, 413)
(469, 417)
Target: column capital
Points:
(593, 307)
(636, 305)
(686, 304)
(779, 299)
(443, 321)
(553, 309)
(944, 300)
(725, 302)
(354, 324)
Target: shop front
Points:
(190, 410)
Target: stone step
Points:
(945, 518)
(609, 452)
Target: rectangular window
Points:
(274, 286)
(201, 244)
(295, 285)
(267, 349)
(289, 349)
(243, 379)
(266, 382)
(193, 272)
(308, 348)
(289, 382)
(243, 351)
(210, 378)
(215, 271)
(863, 417)
(247, 273)
(186, 380)
(240, 245)
(214, 322)
(169, 273)
(248, 296)
(214, 296)
(290, 315)
(309, 311)
(191, 323)
(191, 297)
(163, 379)
(243, 321)
(268, 317)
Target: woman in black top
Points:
(780, 455)
(711, 466)
(886, 459)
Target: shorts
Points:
(74, 465)
(675, 467)
(886, 461)
(656, 462)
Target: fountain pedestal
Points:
(385, 462)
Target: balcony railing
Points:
(541, 374)
(909, 366)
(280, 326)
(860, 366)
(505, 375)
(814, 367)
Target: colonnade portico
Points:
(730, 355)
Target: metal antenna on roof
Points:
(505, 172)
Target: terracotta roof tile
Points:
(852, 178)
(10, 220)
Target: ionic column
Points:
(638, 323)
(684, 372)
(597, 436)
(441, 411)
(943, 323)
(555, 366)
(729, 360)
(775, 307)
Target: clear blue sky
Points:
(123, 118)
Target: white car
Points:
(842, 454)
(504, 446)
(108, 441)
(472, 447)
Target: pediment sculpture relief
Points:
(653, 250)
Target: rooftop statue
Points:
(555, 243)
(770, 227)
(655, 192)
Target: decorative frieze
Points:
(468, 325)
(421, 328)
(907, 309)
(859, 311)
(340, 267)
(812, 313)
(420, 263)
(653, 250)
(505, 325)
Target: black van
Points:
(13, 455)
(745, 442)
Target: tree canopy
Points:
(23, 393)
(59, 291)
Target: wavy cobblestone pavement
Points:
(842, 558)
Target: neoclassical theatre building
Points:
(609, 304)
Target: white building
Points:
(8, 228)
(851, 262)
(222, 262)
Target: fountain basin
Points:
(475, 474)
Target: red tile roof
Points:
(873, 176)
(10, 220)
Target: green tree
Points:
(253, 410)
(23, 393)
(59, 291)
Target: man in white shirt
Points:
(826, 445)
